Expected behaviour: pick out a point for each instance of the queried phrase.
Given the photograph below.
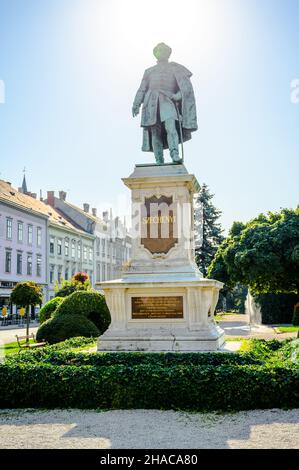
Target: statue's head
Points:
(162, 51)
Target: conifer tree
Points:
(208, 231)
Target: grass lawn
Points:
(287, 329)
(220, 316)
(11, 348)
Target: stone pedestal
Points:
(162, 303)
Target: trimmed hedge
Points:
(83, 313)
(276, 308)
(184, 387)
(267, 376)
(48, 309)
(60, 328)
(91, 305)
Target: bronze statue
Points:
(169, 110)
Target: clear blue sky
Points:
(71, 69)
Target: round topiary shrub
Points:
(90, 304)
(60, 328)
(49, 308)
(83, 313)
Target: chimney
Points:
(86, 207)
(105, 216)
(50, 198)
(94, 211)
(62, 195)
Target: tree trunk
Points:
(27, 325)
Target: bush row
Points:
(133, 359)
(184, 387)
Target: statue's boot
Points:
(159, 159)
(175, 156)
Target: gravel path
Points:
(148, 429)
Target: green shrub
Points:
(183, 387)
(83, 313)
(276, 308)
(295, 319)
(49, 308)
(54, 377)
(60, 328)
(90, 304)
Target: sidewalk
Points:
(8, 333)
(238, 325)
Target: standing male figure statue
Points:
(169, 110)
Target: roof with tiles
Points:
(29, 203)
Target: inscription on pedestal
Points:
(157, 307)
(159, 224)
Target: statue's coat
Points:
(150, 100)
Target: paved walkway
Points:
(8, 333)
(131, 429)
(238, 325)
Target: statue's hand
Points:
(176, 96)
(135, 111)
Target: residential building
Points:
(112, 243)
(23, 241)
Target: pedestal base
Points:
(162, 316)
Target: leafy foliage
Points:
(83, 313)
(80, 281)
(276, 308)
(263, 254)
(49, 308)
(266, 377)
(208, 233)
(25, 294)
(62, 327)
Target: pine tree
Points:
(208, 233)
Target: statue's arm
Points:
(140, 95)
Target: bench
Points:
(29, 345)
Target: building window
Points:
(73, 272)
(73, 248)
(19, 263)
(29, 265)
(79, 250)
(66, 274)
(20, 231)
(59, 247)
(90, 254)
(38, 265)
(52, 245)
(9, 229)
(52, 275)
(39, 236)
(8, 261)
(103, 246)
(103, 272)
(66, 247)
(85, 253)
(59, 274)
(30, 234)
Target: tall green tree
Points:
(262, 254)
(208, 231)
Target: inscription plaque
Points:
(157, 307)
